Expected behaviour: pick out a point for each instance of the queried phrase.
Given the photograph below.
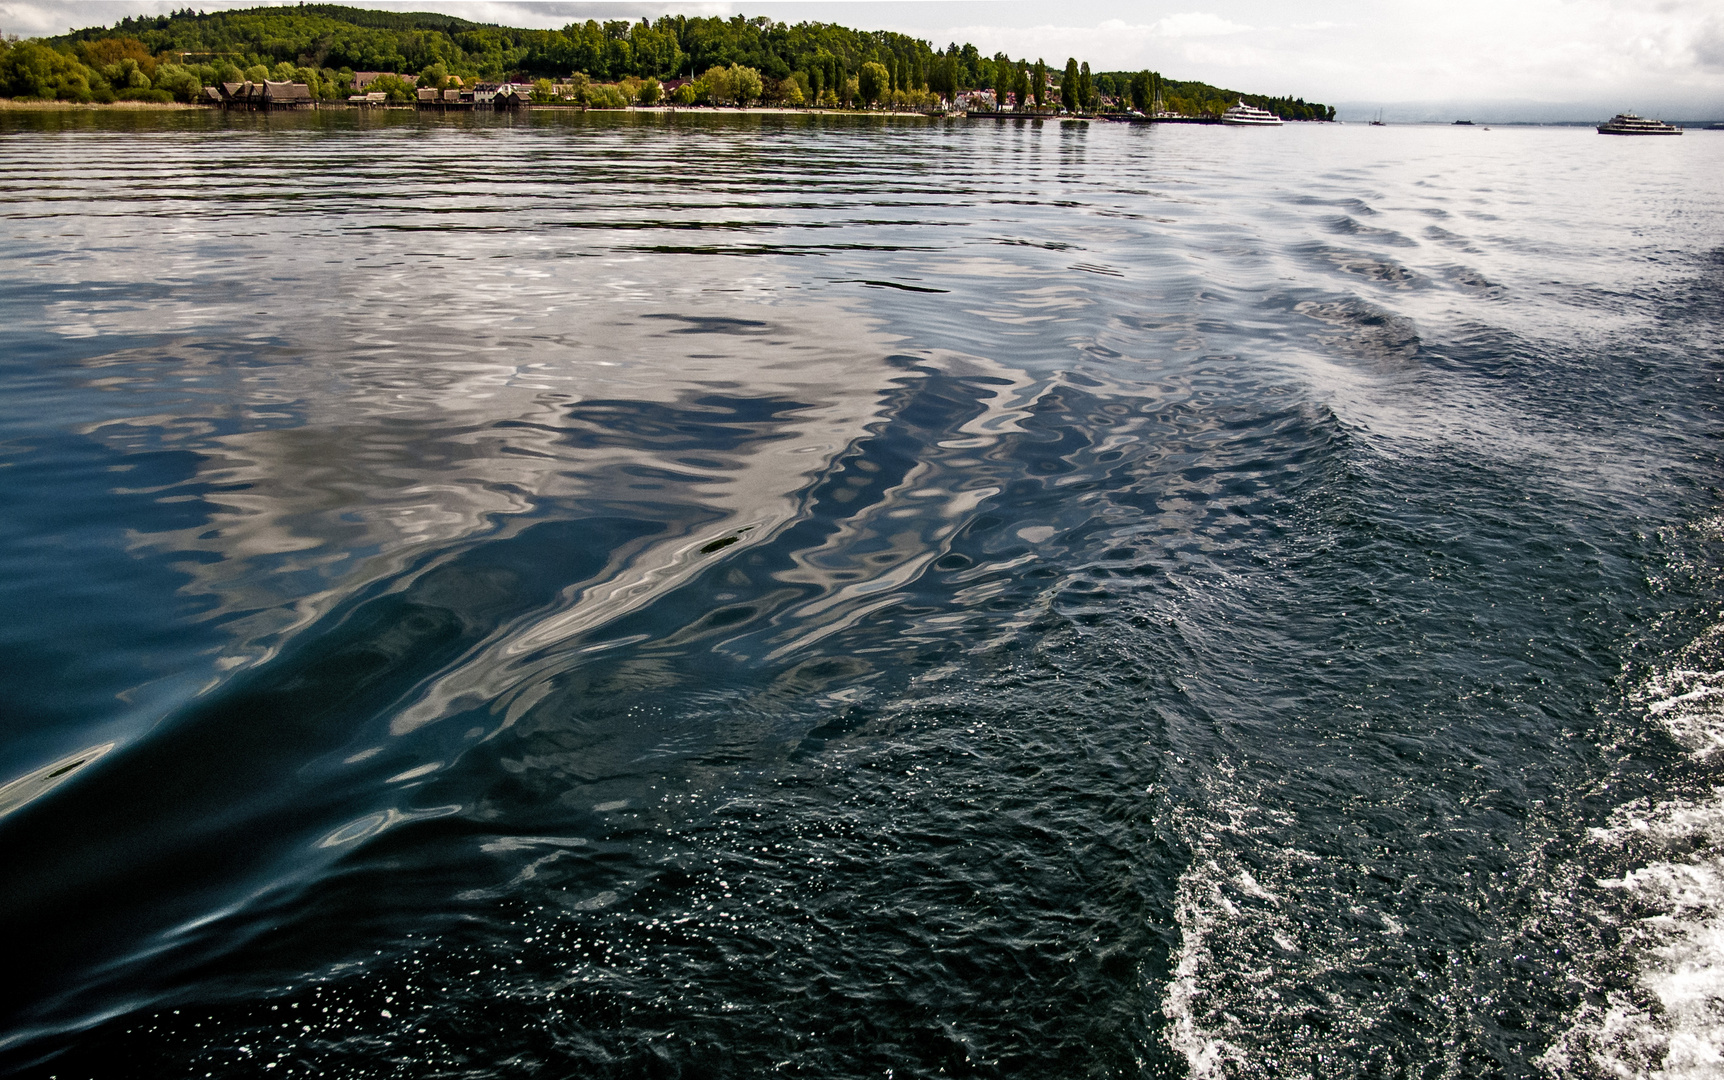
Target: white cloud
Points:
(1195, 24)
(1708, 45)
(1665, 57)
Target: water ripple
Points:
(1049, 601)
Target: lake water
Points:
(630, 595)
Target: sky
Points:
(1490, 60)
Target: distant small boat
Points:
(1378, 122)
(1463, 123)
(1628, 124)
(1243, 115)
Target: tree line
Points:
(173, 56)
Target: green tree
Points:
(1085, 89)
(108, 54)
(126, 75)
(179, 81)
(1069, 86)
(544, 92)
(717, 85)
(607, 96)
(398, 89)
(650, 92)
(30, 69)
(580, 89)
(1140, 92)
(872, 82)
(943, 79)
(745, 84)
(1005, 79)
(322, 45)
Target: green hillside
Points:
(173, 56)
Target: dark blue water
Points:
(628, 596)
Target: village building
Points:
(506, 95)
(261, 96)
(449, 98)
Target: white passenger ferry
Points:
(1250, 116)
(1627, 123)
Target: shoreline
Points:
(33, 105)
(30, 105)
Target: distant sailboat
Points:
(1378, 122)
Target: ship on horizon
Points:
(1626, 123)
(1243, 115)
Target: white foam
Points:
(1689, 702)
(1196, 903)
(1250, 951)
(1673, 1028)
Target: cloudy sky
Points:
(1500, 59)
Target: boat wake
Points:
(1265, 980)
(1665, 909)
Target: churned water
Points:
(623, 596)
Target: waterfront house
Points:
(449, 98)
(286, 95)
(265, 95)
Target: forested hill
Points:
(324, 44)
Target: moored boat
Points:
(1629, 124)
(1243, 115)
